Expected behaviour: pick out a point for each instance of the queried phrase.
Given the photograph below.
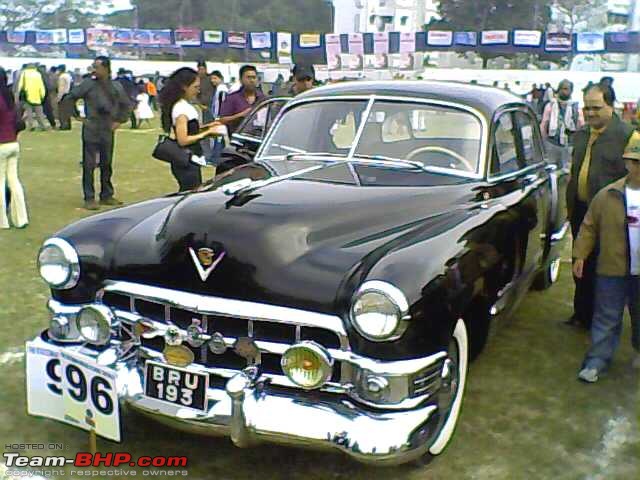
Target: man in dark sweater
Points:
(106, 106)
(596, 162)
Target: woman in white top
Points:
(143, 110)
(180, 120)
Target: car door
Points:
(536, 189)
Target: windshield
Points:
(435, 137)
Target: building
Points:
(365, 16)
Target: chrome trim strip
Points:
(242, 136)
(560, 234)
(363, 122)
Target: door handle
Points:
(531, 178)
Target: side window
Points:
(255, 126)
(531, 147)
(274, 108)
(505, 151)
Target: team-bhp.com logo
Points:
(84, 459)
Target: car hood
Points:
(294, 242)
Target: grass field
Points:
(525, 416)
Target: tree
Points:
(479, 15)
(16, 14)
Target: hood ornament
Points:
(205, 261)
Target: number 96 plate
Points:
(178, 386)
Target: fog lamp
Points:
(94, 324)
(307, 364)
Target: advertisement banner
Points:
(333, 49)
(212, 36)
(527, 38)
(284, 48)
(381, 43)
(495, 37)
(124, 36)
(237, 39)
(465, 38)
(590, 42)
(558, 42)
(16, 36)
(407, 42)
(99, 37)
(76, 36)
(309, 40)
(152, 38)
(356, 44)
(439, 38)
(260, 40)
(51, 37)
(187, 37)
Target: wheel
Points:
(548, 276)
(452, 390)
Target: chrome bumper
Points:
(249, 410)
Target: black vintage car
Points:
(329, 294)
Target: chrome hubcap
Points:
(449, 379)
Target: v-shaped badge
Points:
(202, 272)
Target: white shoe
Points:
(589, 375)
(199, 160)
(635, 363)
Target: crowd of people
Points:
(198, 111)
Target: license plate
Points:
(178, 386)
(67, 386)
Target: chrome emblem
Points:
(205, 261)
(216, 344)
(172, 336)
(195, 333)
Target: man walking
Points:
(239, 103)
(64, 86)
(597, 162)
(32, 90)
(106, 107)
(560, 120)
(206, 92)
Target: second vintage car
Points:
(329, 294)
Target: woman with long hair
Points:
(180, 119)
(9, 154)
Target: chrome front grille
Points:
(272, 335)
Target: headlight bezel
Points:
(395, 296)
(72, 261)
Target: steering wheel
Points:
(446, 151)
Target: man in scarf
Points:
(561, 118)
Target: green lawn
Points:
(525, 415)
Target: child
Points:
(143, 109)
(613, 222)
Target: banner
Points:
(16, 36)
(75, 36)
(381, 43)
(187, 37)
(309, 40)
(152, 38)
(619, 37)
(495, 37)
(237, 39)
(439, 38)
(99, 37)
(356, 44)
(350, 61)
(465, 38)
(55, 36)
(124, 36)
(527, 38)
(590, 42)
(558, 42)
(376, 61)
(401, 61)
(212, 36)
(284, 48)
(260, 40)
(333, 49)
(407, 42)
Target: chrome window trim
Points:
(242, 136)
(484, 136)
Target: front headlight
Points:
(94, 324)
(379, 311)
(58, 264)
(307, 364)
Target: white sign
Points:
(590, 42)
(212, 36)
(72, 388)
(495, 37)
(381, 42)
(527, 38)
(284, 48)
(407, 42)
(260, 40)
(439, 38)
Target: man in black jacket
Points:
(597, 162)
(107, 106)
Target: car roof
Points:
(483, 98)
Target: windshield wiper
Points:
(381, 159)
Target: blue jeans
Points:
(216, 145)
(611, 296)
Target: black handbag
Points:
(168, 150)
